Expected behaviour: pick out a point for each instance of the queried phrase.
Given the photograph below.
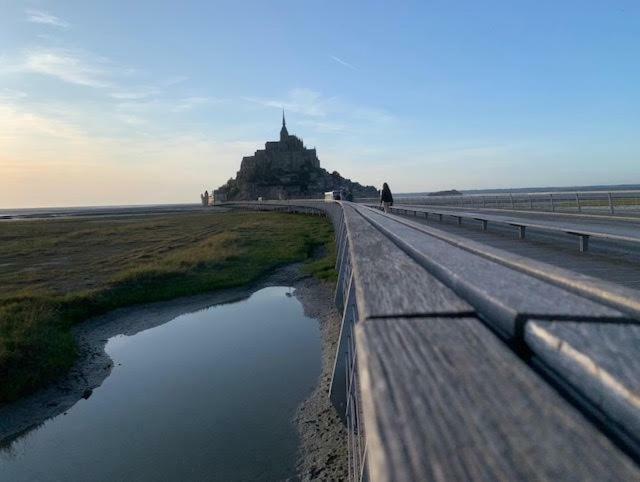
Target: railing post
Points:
(553, 208)
(583, 243)
(484, 202)
(610, 203)
(521, 232)
(578, 202)
(511, 199)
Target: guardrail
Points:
(583, 235)
(345, 391)
(586, 202)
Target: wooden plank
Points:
(387, 281)
(443, 399)
(601, 361)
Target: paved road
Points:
(608, 260)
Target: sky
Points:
(143, 102)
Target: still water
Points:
(207, 396)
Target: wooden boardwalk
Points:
(461, 361)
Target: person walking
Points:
(386, 199)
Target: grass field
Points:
(55, 273)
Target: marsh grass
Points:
(56, 273)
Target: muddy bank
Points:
(323, 437)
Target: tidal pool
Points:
(210, 395)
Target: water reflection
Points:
(207, 396)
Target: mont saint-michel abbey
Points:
(286, 169)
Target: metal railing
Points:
(586, 202)
(583, 234)
(353, 410)
(345, 388)
(597, 202)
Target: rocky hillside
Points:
(286, 169)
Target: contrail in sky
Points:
(342, 62)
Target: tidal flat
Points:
(57, 273)
(174, 367)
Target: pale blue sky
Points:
(153, 101)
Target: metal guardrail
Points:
(585, 202)
(583, 234)
(345, 388)
(353, 409)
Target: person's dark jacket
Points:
(386, 196)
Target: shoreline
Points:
(93, 365)
(322, 454)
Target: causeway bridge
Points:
(459, 359)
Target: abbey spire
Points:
(284, 134)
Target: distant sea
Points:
(616, 187)
(140, 210)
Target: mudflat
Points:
(56, 273)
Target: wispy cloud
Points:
(303, 101)
(342, 62)
(370, 114)
(135, 94)
(10, 95)
(73, 66)
(132, 120)
(176, 79)
(45, 18)
(17, 123)
(324, 126)
(189, 103)
(156, 89)
(323, 111)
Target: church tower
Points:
(284, 134)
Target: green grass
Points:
(324, 268)
(59, 272)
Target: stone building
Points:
(286, 169)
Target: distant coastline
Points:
(61, 212)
